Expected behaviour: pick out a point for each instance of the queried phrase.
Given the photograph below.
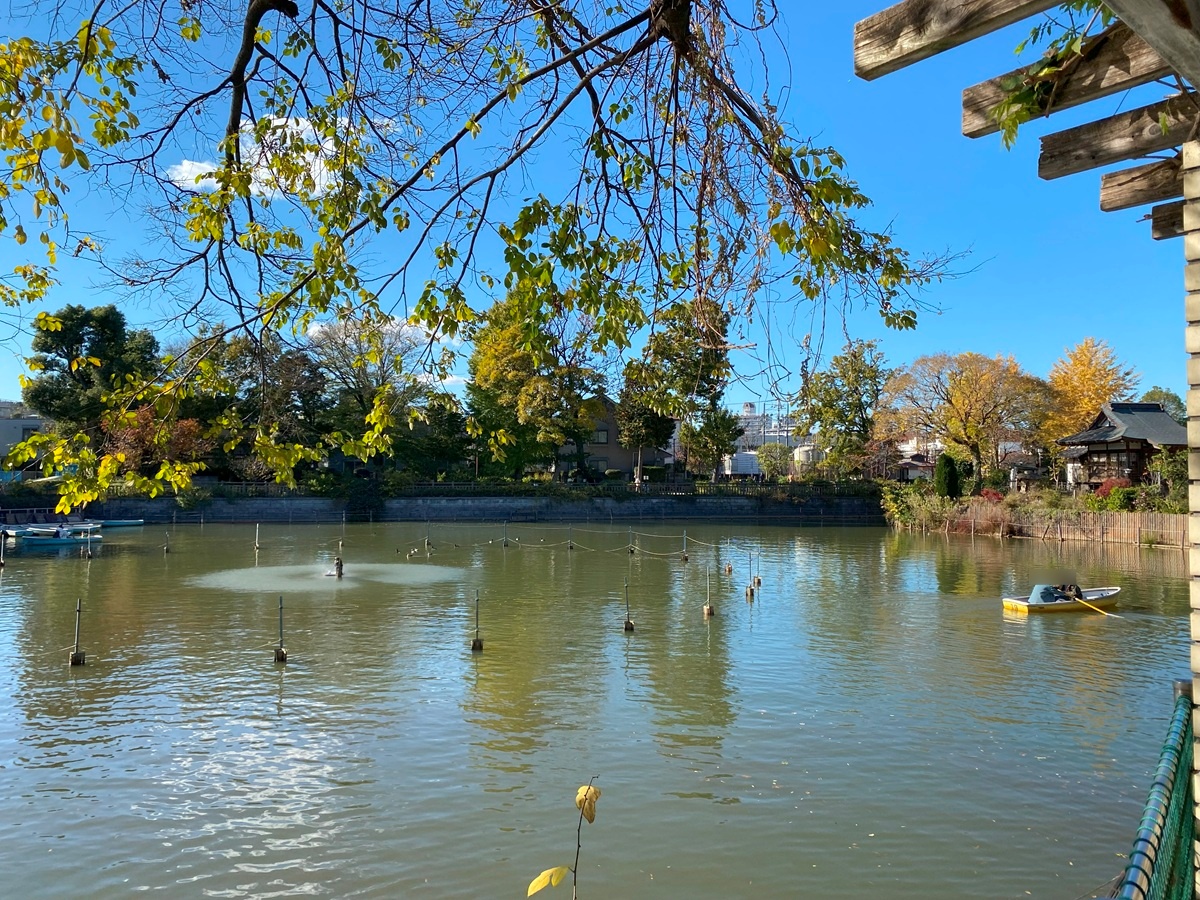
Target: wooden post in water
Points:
(628, 620)
(685, 545)
(77, 655)
(280, 652)
(477, 644)
(709, 611)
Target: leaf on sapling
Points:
(549, 878)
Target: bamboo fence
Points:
(1148, 529)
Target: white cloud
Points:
(186, 173)
(261, 156)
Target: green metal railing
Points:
(1161, 864)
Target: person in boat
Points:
(1073, 592)
(61, 530)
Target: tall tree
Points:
(639, 422)
(839, 403)
(80, 356)
(361, 356)
(552, 387)
(1089, 375)
(774, 460)
(1171, 402)
(437, 442)
(371, 370)
(686, 358)
(967, 400)
(709, 438)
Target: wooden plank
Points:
(1114, 61)
(1166, 221)
(1151, 183)
(918, 29)
(1168, 27)
(1126, 135)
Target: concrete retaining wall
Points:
(810, 511)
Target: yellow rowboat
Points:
(1045, 598)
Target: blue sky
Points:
(1046, 268)
(1049, 269)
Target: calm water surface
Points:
(872, 725)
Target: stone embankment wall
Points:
(816, 511)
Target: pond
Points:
(871, 724)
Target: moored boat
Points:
(49, 540)
(70, 527)
(1046, 598)
(121, 523)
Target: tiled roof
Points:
(1131, 421)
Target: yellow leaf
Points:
(550, 877)
(585, 800)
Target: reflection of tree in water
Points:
(957, 569)
(543, 668)
(685, 659)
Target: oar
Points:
(1098, 609)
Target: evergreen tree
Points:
(945, 477)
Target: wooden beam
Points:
(1141, 185)
(1166, 221)
(1170, 27)
(1116, 60)
(1151, 183)
(918, 29)
(1126, 135)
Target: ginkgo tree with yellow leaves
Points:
(294, 166)
(1089, 375)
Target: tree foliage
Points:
(686, 358)
(1170, 401)
(552, 386)
(1089, 375)
(82, 355)
(969, 401)
(1070, 33)
(639, 422)
(364, 358)
(945, 477)
(709, 438)
(774, 460)
(839, 403)
(295, 167)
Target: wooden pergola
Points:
(1153, 40)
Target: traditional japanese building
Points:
(1120, 442)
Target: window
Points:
(27, 433)
(600, 436)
